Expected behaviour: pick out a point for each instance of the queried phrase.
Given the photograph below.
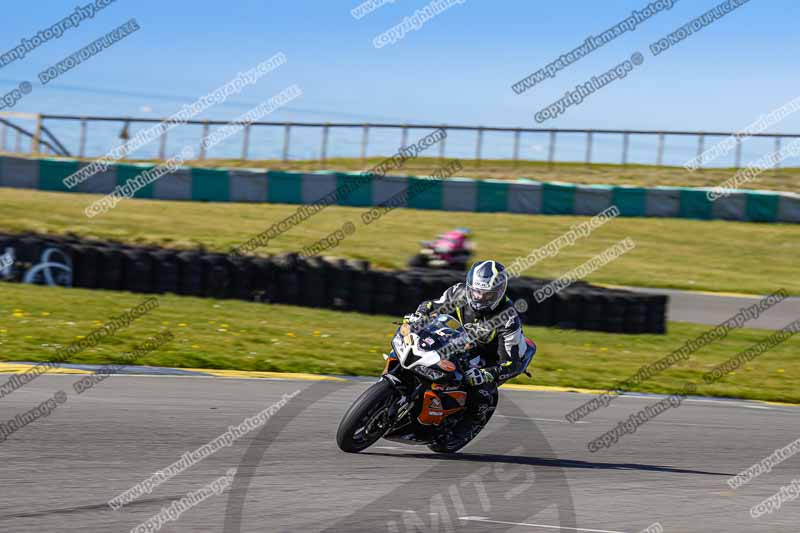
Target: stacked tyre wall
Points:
(345, 285)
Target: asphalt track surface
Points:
(712, 309)
(529, 466)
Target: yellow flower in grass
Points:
(182, 325)
(18, 314)
(45, 313)
(290, 334)
(781, 371)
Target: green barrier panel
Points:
(354, 189)
(424, 193)
(492, 196)
(631, 201)
(762, 207)
(558, 198)
(695, 204)
(210, 185)
(284, 187)
(128, 172)
(52, 173)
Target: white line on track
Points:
(540, 419)
(544, 526)
(731, 402)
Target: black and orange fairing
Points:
(436, 407)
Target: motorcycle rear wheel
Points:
(367, 419)
(454, 446)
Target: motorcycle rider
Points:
(493, 328)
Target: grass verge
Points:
(672, 253)
(35, 320)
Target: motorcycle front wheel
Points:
(367, 419)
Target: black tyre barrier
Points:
(191, 274)
(341, 289)
(614, 305)
(409, 293)
(359, 265)
(287, 279)
(110, 275)
(138, 271)
(385, 299)
(315, 282)
(216, 276)
(86, 267)
(567, 309)
(636, 316)
(656, 313)
(346, 285)
(166, 274)
(264, 284)
(243, 278)
(591, 311)
(364, 285)
(29, 250)
(541, 313)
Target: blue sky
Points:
(458, 68)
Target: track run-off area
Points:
(530, 470)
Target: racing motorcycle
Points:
(450, 250)
(421, 397)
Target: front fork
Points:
(400, 408)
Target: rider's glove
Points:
(478, 376)
(415, 320)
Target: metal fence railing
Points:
(42, 139)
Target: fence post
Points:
(82, 150)
(551, 151)
(286, 132)
(777, 152)
(479, 145)
(246, 141)
(588, 148)
(3, 135)
(625, 144)
(18, 143)
(162, 146)
(516, 147)
(442, 143)
(404, 139)
(364, 141)
(324, 148)
(203, 143)
(660, 156)
(37, 135)
(701, 144)
(738, 163)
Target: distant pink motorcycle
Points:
(450, 250)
